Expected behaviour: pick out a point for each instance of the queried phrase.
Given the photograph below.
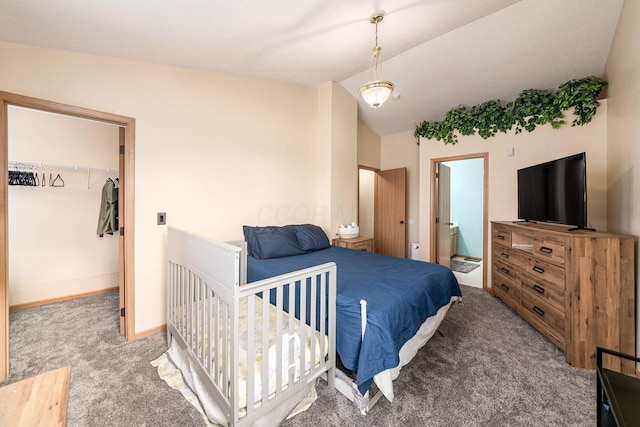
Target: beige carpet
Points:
(490, 368)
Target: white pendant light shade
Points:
(376, 93)
(377, 90)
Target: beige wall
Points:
(623, 74)
(368, 146)
(541, 145)
(213, 151)
(401, 151)
(344, 158)
(54, 250)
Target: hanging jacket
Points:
(108, 217)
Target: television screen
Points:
(554, 191)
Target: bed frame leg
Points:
(331, 377)
(374, 400)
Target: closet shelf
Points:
(19, 164)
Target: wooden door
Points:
(390, 212)
(443, 220)
(121, 257)
(4, 244)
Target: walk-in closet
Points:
(58, 168)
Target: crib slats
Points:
(265, 348)
(279, 308)
(215, 347)
(211, 341)
(323, 314)
(303, 317)
(228, 387)
(313, 324)
(251, 398)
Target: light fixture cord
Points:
(376, 59)
(376, 33)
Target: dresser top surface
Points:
(562, 230)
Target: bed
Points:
(394, 304)
(385, 309)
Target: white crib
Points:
(218, 329)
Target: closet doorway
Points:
(459, 234)
(126, 203)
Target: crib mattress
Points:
(290, 339)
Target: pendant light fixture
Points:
(377, 91)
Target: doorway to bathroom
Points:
(459, 212)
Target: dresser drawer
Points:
(362, 246)
(542, 270)
(548, 319)
(502, 253)
(358, 243)
(501, 236)
(549, 249)
(507, 290)
(505, 269)
(543, 290)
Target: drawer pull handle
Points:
(504, 270)
(538, 288)
(500, 236)
(504, 255)
(546, 250)
(538, 269)
(505, 287)
(538, 310)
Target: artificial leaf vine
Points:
(533, 107)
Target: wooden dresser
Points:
(357, 243)
(576, 287)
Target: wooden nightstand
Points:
(357, 243)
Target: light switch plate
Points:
(162, 218)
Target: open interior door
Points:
(4, 273)
(443, 220)
(121, 258)
(390, 212)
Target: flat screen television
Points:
(554, 191)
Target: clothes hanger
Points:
(30, 179)
(13, 175)
(58, 178)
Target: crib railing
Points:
(204, 302)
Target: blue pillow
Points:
(252, 245)
(311, 237)
(271, 242)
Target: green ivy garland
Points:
(533, 107)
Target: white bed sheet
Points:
(384, 380)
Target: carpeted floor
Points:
(489, 368)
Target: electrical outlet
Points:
(162, 218)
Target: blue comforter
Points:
(400, 293)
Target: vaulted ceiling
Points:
(439, 53)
